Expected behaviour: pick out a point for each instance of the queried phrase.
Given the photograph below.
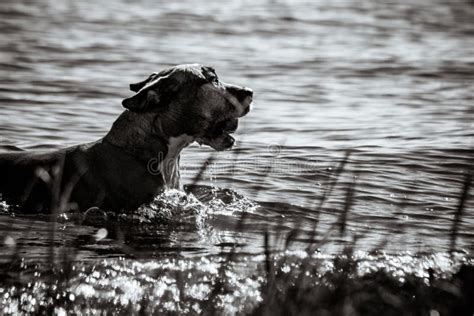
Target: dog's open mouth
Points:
(218, 136)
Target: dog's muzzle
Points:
(242, 98)
(246, 105)
(245, 97)
(219, 137)
(229, 128)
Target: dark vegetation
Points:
(306, 289)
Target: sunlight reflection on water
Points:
(390, 81)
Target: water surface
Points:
(391, 82)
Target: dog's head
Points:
(191, 100)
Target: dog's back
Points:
(77, 177)
(20, 183)
(33, 180)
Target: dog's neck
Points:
(141, 136)
(134, 134)
(169, 166)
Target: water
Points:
(390, 81)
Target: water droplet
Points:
(101, 234)
(9, 241)
(434, 312)
(59, 311)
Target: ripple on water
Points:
(391, 81)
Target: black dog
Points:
(139, 156)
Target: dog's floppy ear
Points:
(135, 87)
(150, 93)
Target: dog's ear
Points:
(150, 93)
(135, 87)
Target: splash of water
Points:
(178, 206)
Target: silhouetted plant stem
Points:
(459, 211)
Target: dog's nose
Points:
(246, 110)
(241, 93)
(249, 91)
(245, 93)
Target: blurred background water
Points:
(392, 81)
